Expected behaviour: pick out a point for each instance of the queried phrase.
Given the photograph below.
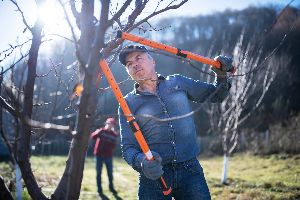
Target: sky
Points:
(12, 26)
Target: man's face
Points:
(110, 125)
(140, 66)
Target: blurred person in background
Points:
(106, 139)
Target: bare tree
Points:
(93, 34)
(25, 111)
(92, 41)
(246, 94)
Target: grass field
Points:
(249, 177)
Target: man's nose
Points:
(135, 65)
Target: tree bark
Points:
(23, 151)
(70, 184)
(4, 192)
(89, 98)
(225, 169)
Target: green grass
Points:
(254, 177)
(249, 177)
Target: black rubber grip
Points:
(132, 126)
(179, 53)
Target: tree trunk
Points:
(4, 192)
(225, 169)
(25, 132)
(70, 184)
(19, 188)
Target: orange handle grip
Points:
(133, 124)
(170, 49)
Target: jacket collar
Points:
(136, 85)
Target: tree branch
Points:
(75, 13)
(22, 14)
(14, 64)
(99, 42)
(120, 12)
(8, 107)
(135, 13)
(156, 13)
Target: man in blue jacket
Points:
(172, 142)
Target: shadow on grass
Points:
(103, 196)
(115, 193)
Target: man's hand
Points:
(226, 65)
(152, 169)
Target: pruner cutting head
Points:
(225, 64)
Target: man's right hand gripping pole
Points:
(152, 169)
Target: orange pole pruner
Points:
(170, 49)
(131, 120)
